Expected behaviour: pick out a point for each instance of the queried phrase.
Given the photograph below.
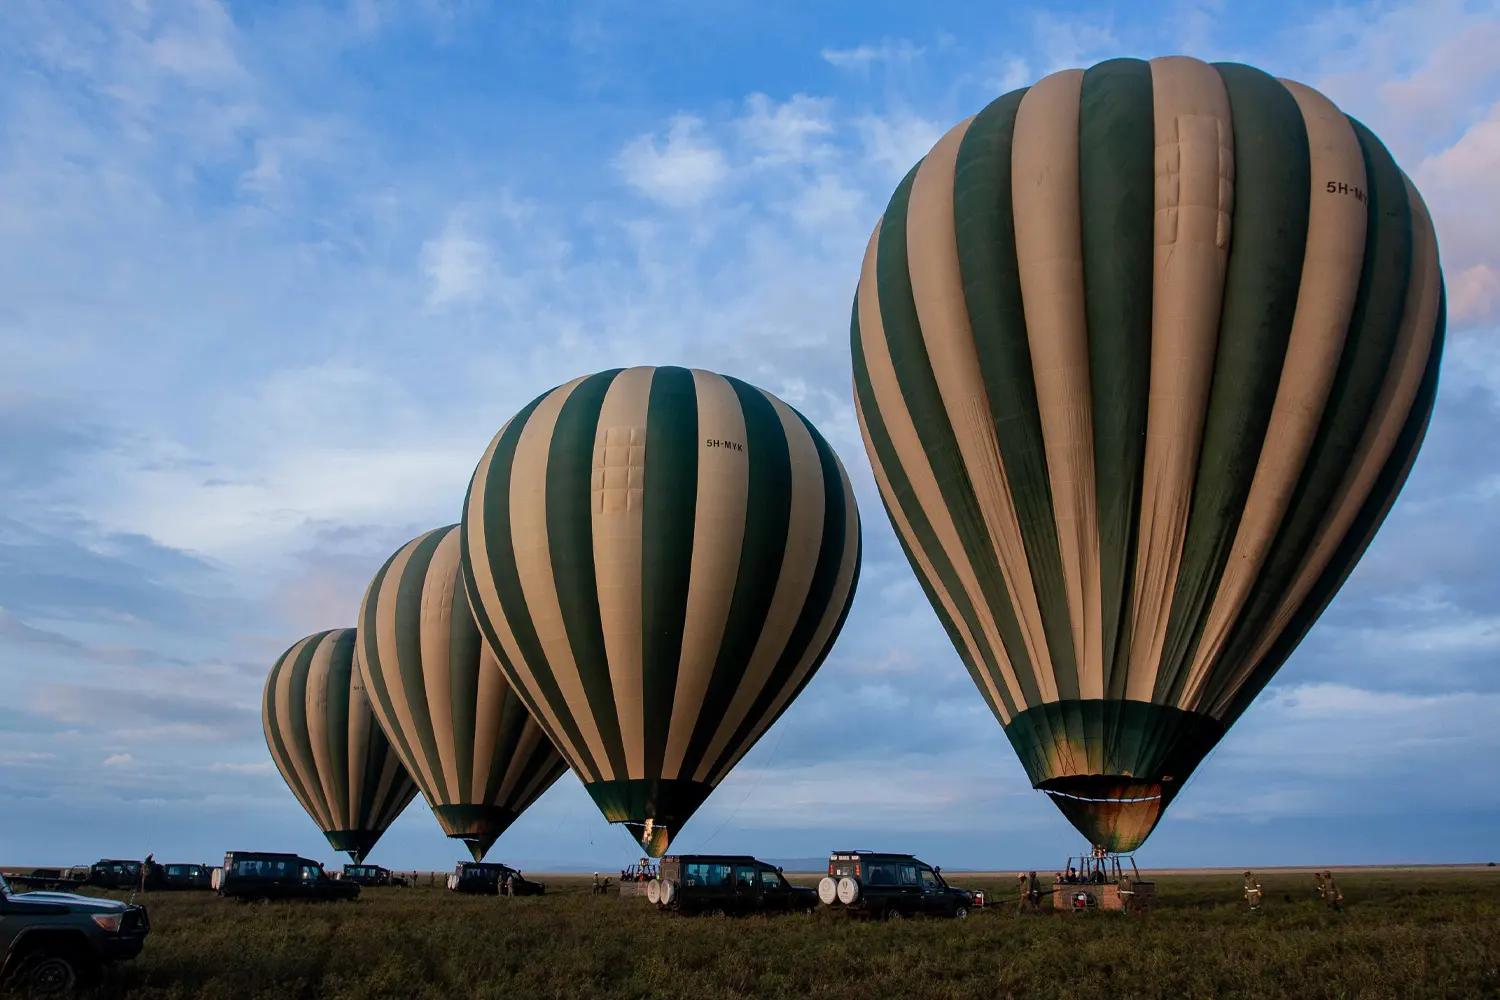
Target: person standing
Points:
(1331, 894)
(146, 870)
(1253, 894)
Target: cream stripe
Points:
(277, 682)
(799, 561)
(820, 639)
(388, 649)
(489, 709)
(533, 788)
(298, 757)
(514, 766)
(320, 735)
(489, 598)
(528, 518)
(1049, 257)
(937, 290)
(1330, 283)
(618, 481)
(904, 528)
(1392, 407)
(384, 794)
(437, 653)
(718, 535)
(360, 734)
(1194, 203)
(913, 460)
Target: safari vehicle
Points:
(53, 942)
(890, 885)
(1100, 882)
(180, 876)
(373, 875)
(479, 878)
(46, 878)
(253, 876)
(108, 873)
(725, 883)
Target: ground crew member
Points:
(145, 869)
(1252, 892)
(1331, 894)
(1322, 889)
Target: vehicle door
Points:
(718, 890)
(775, 893)
(311, 877)
(910, 886)
(936, 898)
(746, 896)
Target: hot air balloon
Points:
(327, 746)
(661, 559)
(452, 717)
(1142, 356)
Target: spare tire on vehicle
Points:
(668, 892)
(653, 890)
(828, 890)
(849, 890)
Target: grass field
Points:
(1401, 935)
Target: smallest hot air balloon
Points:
(327, 746)
(474, 749)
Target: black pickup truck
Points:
(53, 942)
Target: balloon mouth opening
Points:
(651, 835)
(1103, 798)
(1107, 789)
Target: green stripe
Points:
(669, 501)
(407, 613)
(297, 725)
(1371, 516)
(465, 648)
(768, 511)
(336, 717)
(1373, 329)
(924, 403)
(570, 542)
(815, 606)
(1272, 178)
(499, 550)
(543, 761)
(985, 231)
(906, 499)
(513, 720)
(376, 669)
(275, 725)
(1116, 181)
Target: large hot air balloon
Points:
(456, 724)
(327, 745)
(1142, 356)
(661, 558)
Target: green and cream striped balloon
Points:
(438, 693)
(327, 745)
(661, 559)
(1142, 356)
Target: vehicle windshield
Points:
(4, 886)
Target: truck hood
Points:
(81, 904)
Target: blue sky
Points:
(271, 275)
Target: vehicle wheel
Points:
(894, 914)
(49, 973)
(828, 890)
(653, 891)
(960, 913)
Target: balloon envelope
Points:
(661, 559)
(1142, 356)
(327, 745)
(472, 746)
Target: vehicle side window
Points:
(883, 873)
(744, 876)
(930, 881)
(309, 873)
(715, 874)
(908, 874)
(695, 874)
(769, 879)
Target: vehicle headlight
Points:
(109, 921)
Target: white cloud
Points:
(861, 58)
(789, 133)
(118, 760)
(896, 142)
(456, 265)
(683, 171)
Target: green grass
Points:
(1402, 935)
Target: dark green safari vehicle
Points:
(725, 883)
(890, 885)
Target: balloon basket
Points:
(1102, 881)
